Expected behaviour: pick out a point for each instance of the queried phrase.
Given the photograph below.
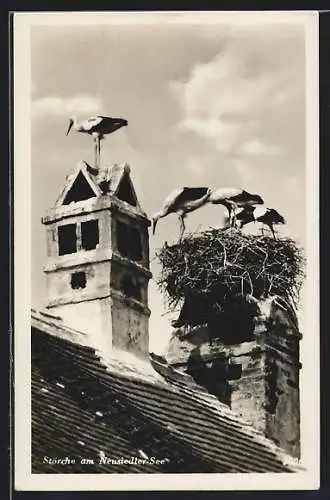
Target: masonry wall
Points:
(91, 317)
(102, 291)
(283, 419)
(59, 286)
(262, 374)
(248, 392)
(119, 274)
(130, 323)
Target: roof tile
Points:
(117, 412)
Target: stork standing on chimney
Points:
(97, 127)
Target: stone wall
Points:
(258, 379)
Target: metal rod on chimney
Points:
(99, 151)
(96, 153)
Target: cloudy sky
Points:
(207, 105)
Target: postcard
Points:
(166, 250)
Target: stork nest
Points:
(215, 266)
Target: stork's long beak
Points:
(69, 128)
(154, 224)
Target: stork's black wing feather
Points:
(242, 197)
(272, 216)
(111, 119)
(246, 215)
(192, 193)
(245, 197)
(181, 197)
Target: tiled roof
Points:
(82, 407)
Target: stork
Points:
(268, 216)
(232, 199)
(182, 201)
(97, 127)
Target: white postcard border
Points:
(310, 383)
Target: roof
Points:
(83, 406)
(106, 180)
(112, 174)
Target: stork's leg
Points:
(182, 226)
(230, 217)
(272, 230)
(234, 219)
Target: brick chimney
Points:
(257, 376)
(267, 392)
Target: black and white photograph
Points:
(166, 250)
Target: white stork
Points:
(182, 201)
(268, 216)
(232, 199)
(97, 127)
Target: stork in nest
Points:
(233, 199)
(268, 216)
(182, 201)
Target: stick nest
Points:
(216, 265)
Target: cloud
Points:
(256, 147)
(248, 99)
(66, 106)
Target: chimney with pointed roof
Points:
(98, 259)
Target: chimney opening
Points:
(89, 234)
(130, 288)
(78, 280)
(67, 239)
(129, 241)
(234, 371)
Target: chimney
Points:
(253, 367)
(267, 391)
(98, 259)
